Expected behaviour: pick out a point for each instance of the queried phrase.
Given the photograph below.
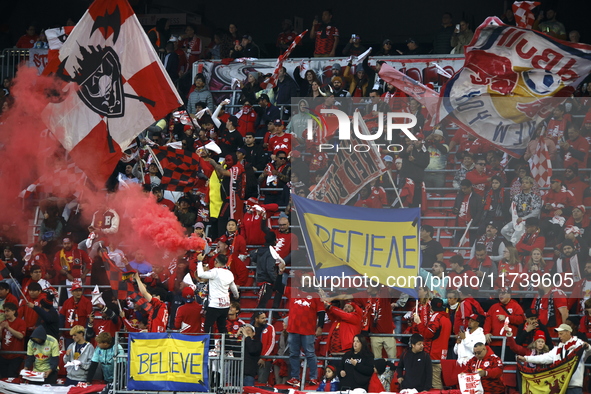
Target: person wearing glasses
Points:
(276, 176)
(490, 368)
(478, 176)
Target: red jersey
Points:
(236, 264)
(188, 318)
(377, 313)
(247, 118)
(251, 224)
(72, 261)
(580, 148)
(479, 181)
(10, 343)
(158, 318)
(379, 194)
(557, 128)
(277, 143)
(76, 313)
(232, 326)
(28, 314)
(325, 39)
(104, 325)
(558, 200)
(491, 363)
(285, 243)
(27, 42)
(303, 308)
(286, 38)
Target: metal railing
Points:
(10, 59)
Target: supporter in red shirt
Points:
(28, 40)
(379, 193)
(306, 322)
(580, 189)
(104, 319)
(188, 317)
(495, 318)
(158, 316)
(436, 331)
(478, 176)
(279, 141)
(12, 334)
(468, 306)
(34, 297)
(325, 35)
(6, 296)
(366, 199)
(233, 322)
(256, 213)
(551, 305)
(490, 368)
(75, 311)
(558, 124)
(71, 263)
(531, 239)
(247, 119)
(158, 192)
(557, 201)
(575, 150)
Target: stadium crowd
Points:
(526, 273)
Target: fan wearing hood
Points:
(43, 355)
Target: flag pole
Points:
(156, 161)
(395, 188)
(464, 236)
(18, 286)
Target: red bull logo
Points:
(491, 70)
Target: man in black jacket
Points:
(415, 370)
(252, 352)
(285, 90)
(415, 158)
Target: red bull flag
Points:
(508, 83)
(115, 87)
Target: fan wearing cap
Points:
(568, 344)
(280, 140)
(479, 177)
(276, 175)
(531, 239)
(246, 48)
(493, 242)
(466, 340)
(75, 311)
(496, 315)
(468, 304)
(489, 366)
(436, 332)
(188, 316)
(268, 114)
(551, 304)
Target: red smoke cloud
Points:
(30, 152)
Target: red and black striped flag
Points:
(179, 168)
(122, 285)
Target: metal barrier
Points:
(225, 366)
(11, 58)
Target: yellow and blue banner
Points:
(168, 362)
(552, 378)
(381, 245)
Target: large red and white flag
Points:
(522, 11)
(271, 82)
(511, 80)
(423, 94)
(115, 87)
(540, 164)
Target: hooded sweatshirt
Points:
(82, 353)
(45, 356)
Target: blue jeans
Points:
(249, 381)
(305, 343)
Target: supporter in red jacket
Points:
(496, 315)
(490, 368)
(33, 298)
(478, 176)
(250, 226)
(75, 311)
(557, 201)
(347, 324)
(575, 150)
(551, 305)
(468, 306)
(158, 315)
(188, 317)
(266, 334)
(436, 332)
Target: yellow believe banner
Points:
(168, 362)
(374, 245)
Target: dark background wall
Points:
(372, 20)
